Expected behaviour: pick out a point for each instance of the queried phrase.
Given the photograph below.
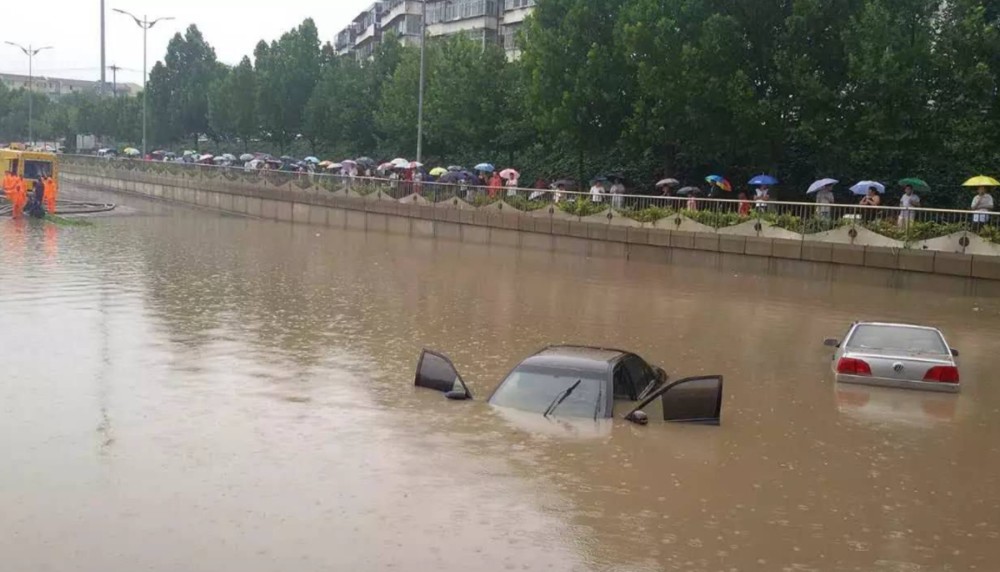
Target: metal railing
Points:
(843, 223)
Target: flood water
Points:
(189, 391)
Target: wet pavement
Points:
(191, 391)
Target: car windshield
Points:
(897, 338)
(534, 389)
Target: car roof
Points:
(897, 325)
(579, 358)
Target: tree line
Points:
(800, 89)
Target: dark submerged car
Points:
(586, 382)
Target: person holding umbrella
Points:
(908, 201)
(982, 202)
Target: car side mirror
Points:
(638, 417)
(954, 352)
(831, 342)
(457, 395)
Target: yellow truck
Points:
(32, 165)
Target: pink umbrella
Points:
(510, 174)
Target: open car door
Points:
(689, 400)
(435, 371)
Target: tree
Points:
(233, 104)
(179, 87)
(578, 89)
(287, 72)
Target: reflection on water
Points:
(187, 391)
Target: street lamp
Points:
(420, 91)
(145, 24)
(31, 53)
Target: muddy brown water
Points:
(189, 391)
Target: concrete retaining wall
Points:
(538, 230)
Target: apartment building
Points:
(484, 21)
(57, 87)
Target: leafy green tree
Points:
(579, 89)
(232, 106)
(287, 72)
(179, 87)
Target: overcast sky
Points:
(72, 27)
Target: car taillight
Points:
(942, 374)
(852, 366)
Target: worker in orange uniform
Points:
(9, 186)
(51, 191)
(20, 197)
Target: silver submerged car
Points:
(896, 355)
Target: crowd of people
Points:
(42, 200)
(412, 176)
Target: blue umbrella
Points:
(485, 167)
(766, 180)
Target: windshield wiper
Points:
(563, 395)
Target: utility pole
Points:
(114, 79)
(31, 53)
(145, 24)
(420, 92)
(104, 77)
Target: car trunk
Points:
(896, 364)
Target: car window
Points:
(623, 383)
(535, 389)
(874, 337)
(639, 371)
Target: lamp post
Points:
(145, 23)
(420, 91)
(31, 53)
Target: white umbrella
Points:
(312, 160)
(862, 187)
(815, 187)
(400, 163)
(246, 157)
(334, 166)
(668, 183)
(189, 152)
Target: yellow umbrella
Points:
(438, 171)
(981, 181)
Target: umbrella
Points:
(189, 153)
(228, 157)
(862, 187)
(565, 183)
(311, 159)
(438, 171)
(325, 163)
(131, 151)
(614, 177)
(914, 182)
(349, 163)
(386, 167)
(455, 168)
(334, 166)
(450, 177)
(485, 167)
(414, 165)
(170, 154)
(815, 187)
(510, 174)
(366, 161)
(688, 191)
(206, 157)
(255, 163)
(980, 181)
(400, 163)
(469, 177)
(246, 157)
(220, 159)
(667, 183)
(720, 182)
(765, 180)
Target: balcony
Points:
(454, 11)
(510, 5)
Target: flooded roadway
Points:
(189, 391)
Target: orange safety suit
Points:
(50, 195)
(20, 198)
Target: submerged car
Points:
(896, 355)
(586, 382)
